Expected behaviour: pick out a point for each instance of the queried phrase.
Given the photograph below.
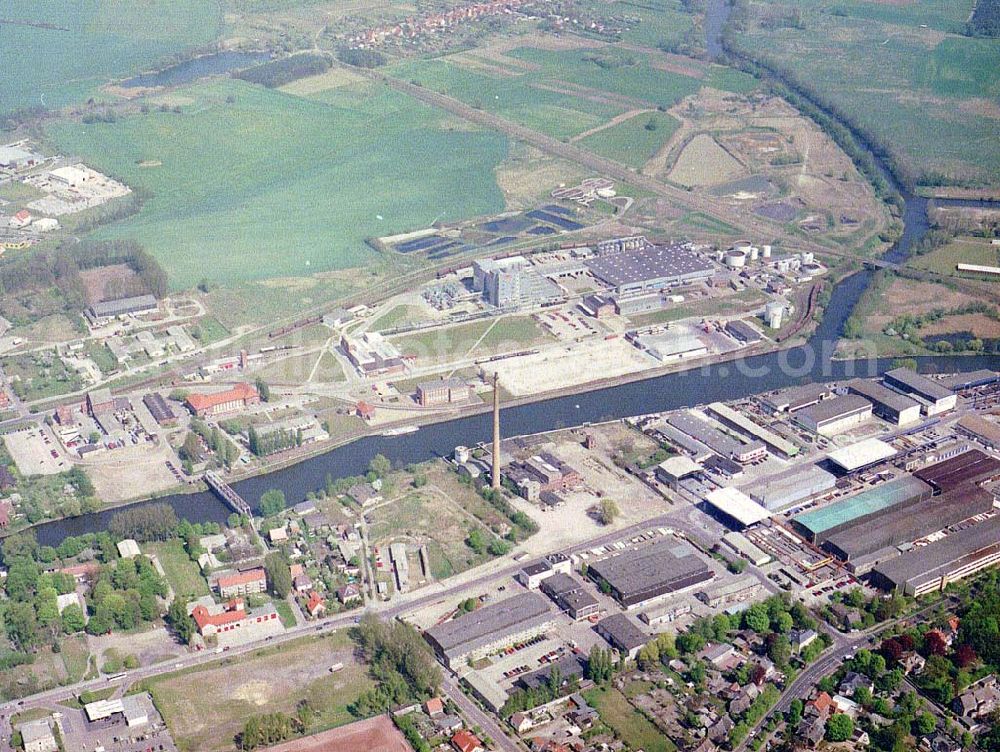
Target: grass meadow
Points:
(255, 183)
(904, 73)
(634, 141)
(104, 39)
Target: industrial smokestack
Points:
(495, 480)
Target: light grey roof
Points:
(833, 409)
(488, 624)
(939, 558)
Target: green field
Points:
(656, 22)
(255, 183)
(183, 575)
(634, 141)
(495, 335)
(103, 39)
(628, 724)
(960, 251)
(903, 73)
(512, 97)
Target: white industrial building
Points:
(833, 416)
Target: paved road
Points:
(479, 717)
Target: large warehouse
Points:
(934, 397)
(640, 575)
(819, 524)
(833, 416)
(862, 455)
(480, 632)
(737, 421)
(889, 405)
(968, 468)
(719, 442)
(906, 523)
(736, 509)
(792, 487)
(933, 566)
(652, 267)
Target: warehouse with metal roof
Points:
(736, 508)
(889, 405)
(792, 487)
(933, 396)
(819, 524)
(651, 267)
(738, 421)
(640, 575)
(906, 523)
(479, 632)
(932, 567)
(833, 416)
(719, 442)
(968, 468)
(863, 454)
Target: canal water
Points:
(724, 381)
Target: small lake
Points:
(197, 67)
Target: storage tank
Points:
(462, 454)
(773, 313)
(807, 257)
(742, 245)
(735, 258)
(767, 251)
(754, 251)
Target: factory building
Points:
(512, 283)
(931, 567)
(639, 576)
(649, 267)
(817, 525)
(967, 469)
(540, 473)
(478, 633)
(735, 508)
(372, 354)
(443, 392)
(739, 422)
(860, 456)
(796, 398)
(622, 634)
(570, 595)
(720, 443)
(980, 429)
(735, 591)
(891, 406)
(746, 548)
(933, 397)
(864, 544)
(970, 380)
(691, 446)
(673, 470)
(791, 488)
(743, 332)
(833, 416)
(667, 344)
(109, 309)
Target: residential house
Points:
(316, 606)
(349, 593)
(852, 682)
(466, 741)
(242, 583)
(302, 583)
(434, 706)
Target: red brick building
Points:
(219, 403)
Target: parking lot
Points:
(80, 735)
(34, 452)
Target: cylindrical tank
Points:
(462, 454)
(767, 251)
(807, 257)
(742, 245)
(735, 258)
(754, 251)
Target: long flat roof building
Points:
(476, 633)
(792, 487)
(933, 396)
(932, 567)
(650, 267)
(640, 575)
(907, 523)
(968, 468)
(889, 405)
(833, 416)
(819, 524)
(736, 420)
(851, 459)
(719, 442)
(979, 428)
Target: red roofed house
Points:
(82, 572)
(21, 219)
(316, 606)
(243, 583)
(434, 706)
(466, 741)
(365, 410)
(823, 703)
(210, 624)
(218, 403)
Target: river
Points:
(723, 381)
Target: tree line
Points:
(277, 73)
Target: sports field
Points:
(97, 40)
(905, 73)
(255, 183)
